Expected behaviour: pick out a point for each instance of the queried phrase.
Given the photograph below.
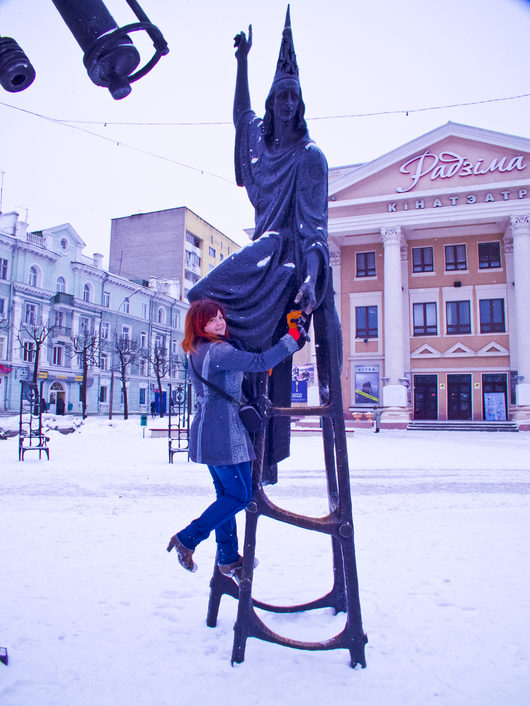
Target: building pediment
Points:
(425, 351)
(451, 157)
(459, 349)
(493, 348)
(64, 240)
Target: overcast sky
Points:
(355, 57)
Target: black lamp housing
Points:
(16, 71)
(110, 56)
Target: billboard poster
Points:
(367, 385)
(298, 391)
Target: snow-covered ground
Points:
(94, 612)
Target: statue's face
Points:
(286, 99)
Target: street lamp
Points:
(16, 71)
(110, 57)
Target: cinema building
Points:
(430, 249)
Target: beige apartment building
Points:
(174, 244)
(430, 248)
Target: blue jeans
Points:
(233, 488)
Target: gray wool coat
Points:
(217, 435)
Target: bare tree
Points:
(162, 364)
(32, 336)
(86, 347)
(127, 352)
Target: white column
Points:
(335, 262)
(510, 296)
(394, 393)
(521, 268)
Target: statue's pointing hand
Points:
(242, 43)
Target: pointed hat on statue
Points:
(286, 66)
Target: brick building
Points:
(174, 244)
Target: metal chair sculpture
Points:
(179, 423)
(344, 595)
(31, 436)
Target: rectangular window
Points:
(3, 351)
(103, 393)
(142, 395)
(211, 252)
(125, 332)
(193, 276)
(366, 322)
(489, 255)
(458, 317)
(106, 299)
(59, 318)
(84, 324)
(30, 314)
(455, 257)
(492, 316)
(143, 339)
(365, 264)
(424, 316)
(3, 267)
(422, 260)
(144, 310)
(126, 307)
(28, 353)
(104, 361)
(192, 259)
(80, 361)
(144, 367)
(192, 239)
(57, 355)
(2, 306)
(105, 330)
(175, 319)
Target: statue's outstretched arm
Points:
(242, 94)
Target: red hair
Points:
(199, 313)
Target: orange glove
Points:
(293, 318)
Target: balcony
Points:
(36, 239)
(62, 298)
(63, 331)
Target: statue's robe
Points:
(257, 284)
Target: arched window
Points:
(86, 292)
(33, 279)
(161, 315)
(61, 284)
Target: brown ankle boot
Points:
(234, 569)
(184, 555)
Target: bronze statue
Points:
(287, 266)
